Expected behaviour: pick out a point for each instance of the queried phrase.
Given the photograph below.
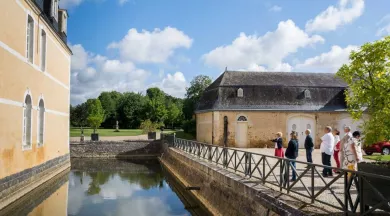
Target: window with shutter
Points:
(43, 50)
(41, 122)
(24, 125)
(30, 39)
(240, 92)
(27, 123)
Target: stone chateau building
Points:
(246, 109)
(34, 95)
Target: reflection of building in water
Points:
(49, 199)
(34, 95)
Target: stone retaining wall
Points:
(123, 149)
(15, 186)
(27, 203)
(225, 193)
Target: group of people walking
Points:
(346, 151)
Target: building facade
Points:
(247, 109)
(34, 95)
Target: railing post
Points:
(199, 149)
(250, 164)
(209, 156)
(360, 191)
(288, 176)
(346, 193)
(246, 163)
(312, 183)
(281, 182)
(224, 157)
(174, 139)
(263, 157)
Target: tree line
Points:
(132, 110)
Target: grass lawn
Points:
(182, 135)
(75, 132)
(376, 157)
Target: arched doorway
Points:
(242, 132)
(300, 123)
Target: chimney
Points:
(62, 23)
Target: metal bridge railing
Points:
(344, 192)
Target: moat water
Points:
(109, 187)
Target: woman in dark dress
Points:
(278, 145)
(292, 152)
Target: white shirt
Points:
(327, 144)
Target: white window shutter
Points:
(24, 126)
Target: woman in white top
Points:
(353, 152)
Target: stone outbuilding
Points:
(246, 109)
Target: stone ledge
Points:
(34, 198)
(122, 149)
(17, 185)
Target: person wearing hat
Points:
(278, 145)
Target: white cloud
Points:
(67, 4)
(122, 2)
(267, 51)
(70, 3)
(174, 85)
(151, 47)
(118, 66)
(275, 8)
(334, 17)
(281, 67)
(80, 60)
(327, 62)
(384, 26)
(92, 74)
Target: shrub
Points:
(149, 126)
(189, 126)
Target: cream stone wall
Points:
(18, 76)
(262, 126)
(204, 127)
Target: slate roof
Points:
(274, 91)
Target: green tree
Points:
(149, 126)
(131, 110)
(155, 106)
(194, 93)
(79, 115)
(110, 102)
(95, 113)
(197, 86)
(368, 77)
(173, 114)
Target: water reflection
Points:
(110, 187)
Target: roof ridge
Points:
(295, 72)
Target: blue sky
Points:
(132, 45)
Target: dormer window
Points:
(55, 9)
(240, 92)
(307, 94)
